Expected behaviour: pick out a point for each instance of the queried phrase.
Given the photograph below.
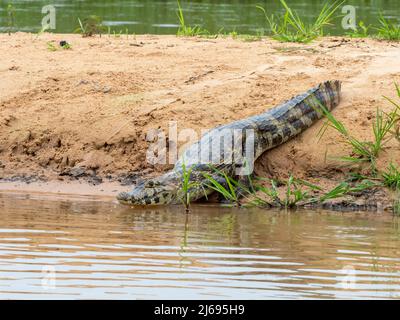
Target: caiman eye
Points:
(149, 184)
(152, 184)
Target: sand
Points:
(82, 114)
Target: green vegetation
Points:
(186, 185)
(362, 31)
(391, 177)
(295, 193)
(388, 30)
(291, 28)
(51, 46)
(385, 127)
(66, 46)
(90, 26)
(185, 30)
(364, 151)
(226, 186)
(10, 18)
(63, 44)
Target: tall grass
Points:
(391, 177)
(90, 26)
(186, 185)
(363, 151)
(10, 18)
(345, 188)
(296, 191)
(361, 31)
(388, 30)
(229, 188)
(291, 28)
(185, 30)
(339, 191)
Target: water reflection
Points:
(159, 16)
(104, 250)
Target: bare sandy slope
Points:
(85, 112)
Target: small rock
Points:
(63, 43)
(83, 81)
(57, 143)
(75, 172)
(95, 180)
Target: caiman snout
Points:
(159, 191)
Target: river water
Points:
(159, 17)
(78, 248)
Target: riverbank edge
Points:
(101, 188)
(378, 199)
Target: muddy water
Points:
(85, 248)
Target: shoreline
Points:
(70, 116)
(72, 188)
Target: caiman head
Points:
(157, 191)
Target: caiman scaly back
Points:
(241, 144)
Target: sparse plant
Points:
(361, 31)
(234, 34)
(10, 18)
(42, 30)
(296, 191)
(391, 177)
(345, 188)
(396, 127)
(251, 37)
(186, 185)
(90, 26)
(338, 191)
(51, 46)
(185, 30)
(224, 185)
(363, 151)
(291, 28)
(388, 30)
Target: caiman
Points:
(235, 154)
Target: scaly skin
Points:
(270, 129)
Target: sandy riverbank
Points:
(84, 113)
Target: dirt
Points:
(83, 114)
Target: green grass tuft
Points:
(10, 18)
(186, 185)
(185, 30)
(90, 26)
(363, 151)
(297, 191)
(391, 177)
(291, 28)
(229, 188)
(362, 31)
(51, 46)
(388, 30)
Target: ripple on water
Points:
(101, 250)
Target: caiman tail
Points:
(271, 129)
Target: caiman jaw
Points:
(159, 191)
